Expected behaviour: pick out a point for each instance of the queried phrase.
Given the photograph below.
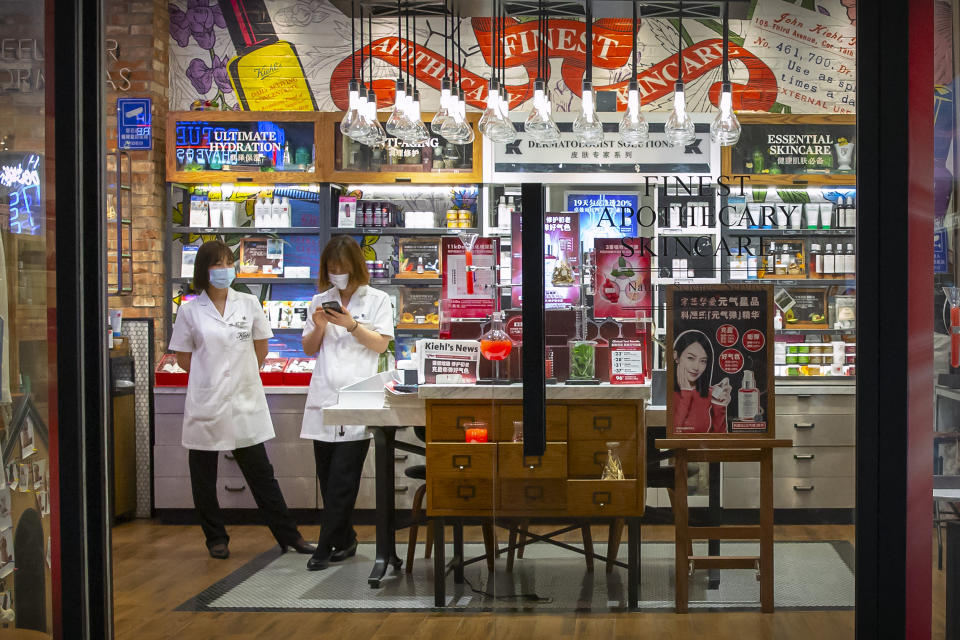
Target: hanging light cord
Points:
(370, 57)
(680, 45)
(588, 59)
(414, 52)
(399, 38)
(634, 78)
(353, 41)
(361, 46)
(726, 43)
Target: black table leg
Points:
(458, 556)
(716, 519)
(384, 439)
(439, 565)
(633, 563)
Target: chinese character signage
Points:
(812, 148)
(720, 377)
(604, 215)
(470, 292)
(448, 361)
(257, 145)
(561, 253)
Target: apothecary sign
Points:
(795, 148)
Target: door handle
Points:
(601, 497)
(602, 423)
(803, 456)
(598, 457)
(229, 456)
(400, 457)
(466, 491)
(533, 492)
(804, 425)
(242, 487)
(461, 462)
(799, 487)
(403, 489)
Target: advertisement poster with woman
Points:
(719, 354)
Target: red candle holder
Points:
(475, 431)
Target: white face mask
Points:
(339, 280)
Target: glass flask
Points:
(725, 128)
(679, 126)
(587, 127)
(634, 129)
(613, 467)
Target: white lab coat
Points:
(225, 407)
(342, 360)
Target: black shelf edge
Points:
(408, 282)
(789, 232)
(795, 283)
(400, 231)
(804, 332)
(256, 280)
(249, 230)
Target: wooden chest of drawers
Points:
(495, 478)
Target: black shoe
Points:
(318, 562)
(347, 552)
(219, 551)
(300, 546)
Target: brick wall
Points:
(137, 34)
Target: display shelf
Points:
(408, 282)
(248, 230)
(287, 330)
(789, 282)
(789, 232)
(400, 231)
(257, 280)
(425, 332)
(806, 332)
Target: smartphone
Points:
(333, 305)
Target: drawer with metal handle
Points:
(817, 430)
(603, 497)
(587, 457)
(819, 403)
(556, 422)
(802, 462)
(445, 423)
(791, 493)
(473, 460)
(609, 422)
(464, 494)
(511, 463)
(234, 493)
(532, 495)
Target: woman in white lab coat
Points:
(221, 339)
(348, 326)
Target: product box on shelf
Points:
(169, 374)
(260, 257)
(271, 373)
(298, 372)
(418, 258)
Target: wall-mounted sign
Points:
(134, 123)
(21, 184)
(720, 360)
(257, 145)
(604, 215)
(940, 247)
(777, 148)
(610, 156)
(436, 155)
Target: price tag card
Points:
(626, 361)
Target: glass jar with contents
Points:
(583, 359)
(517, 431)
(613, 467)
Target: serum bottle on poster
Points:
(748, 398)
(266, 74)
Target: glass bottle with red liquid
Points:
(495, 344)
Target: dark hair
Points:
(210, 253)
(345, 251)
(680, 345)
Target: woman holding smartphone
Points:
(221, 339)
(349, 324)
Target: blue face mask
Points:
(222, 278)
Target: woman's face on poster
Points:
(691, 363)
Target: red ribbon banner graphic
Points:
(612, 45)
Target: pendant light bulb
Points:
(507, 133)
(398, 124)
(587, 127)
(443, 113)
(352, 122)
(376, 133)
(725, 128)
(679, 127)
(362, 130)
(491, 114)
(465, 131)
(634, 128)
(539, 123)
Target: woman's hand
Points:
(344, 320)
(320, 319)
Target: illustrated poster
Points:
(474, 299)
(720, 375)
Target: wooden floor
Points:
(158, 567)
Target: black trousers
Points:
(258, 473)
(339, 467)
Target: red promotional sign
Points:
(727, 335)
(612, 42)
(753, 340)
(731, 361)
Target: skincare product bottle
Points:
(752, 262)
(851, 213)
(777, 321)
(266, 74)
(748, 398)
(420, 264)
(812, 210)
(816, 262)
(258, 212)
(826, 212)
(829, 262)
(781, 217)
(851, 262)
(796, 213)
(287, 156)
(284, 213)
(228, 213)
